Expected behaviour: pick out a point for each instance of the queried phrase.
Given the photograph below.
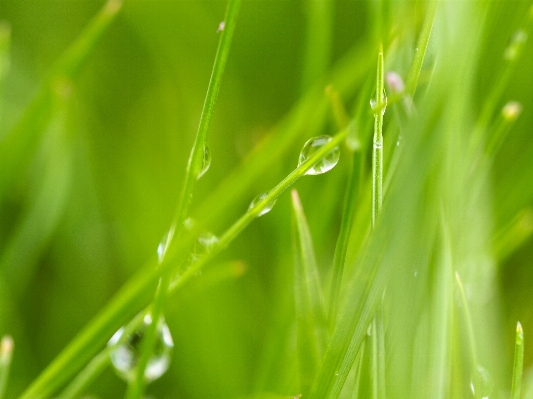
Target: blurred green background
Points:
(90, 204)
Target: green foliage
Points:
(106, 112)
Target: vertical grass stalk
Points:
(518, 365)
(6, 354)
(195, 167)
(378, 105)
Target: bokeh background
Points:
(89, 205)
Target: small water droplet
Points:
(481, 384)
(203, 244)
(164, 244)
(399, 141)
(516, 43)
(260, 198)
(378, 144)
(206, 163)
(326, 163)
(127, 351)
(511, 110)
(376, 106)
(221, 26)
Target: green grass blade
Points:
(420, 49)
(17, 147)
(136, 292)
(6, 354)
(308, 295)
(377, 152)
(195, 168)
(518, 365)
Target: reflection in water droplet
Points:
(127, 351)
(206, 163)
(164, 244)
(258, 199)
(376, 106)
(481, 383)
(514, 48)
(326, 163)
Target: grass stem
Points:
(518, 365)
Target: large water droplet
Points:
(514, 48)
(127, 351)
(326, 163)
(376, 106)
(206, 163)
(164, 244)
(257, 200)
(481, 383)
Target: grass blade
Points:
(196, 167)
(135, 294)
(6, 354)
(518, 365)
(311, 323)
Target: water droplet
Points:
(511, 110)
(326, 163)
(203, 244)
(376, 106)
(127, 351)
(516, 43)
(378, 144)
(206, 163)
(481, 384)
(164, 244)
(399, 141)
(260, 198)
(395, 82)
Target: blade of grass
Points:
(518, 365)
(309, 303)
(17, 147)
(377, 152)
(420, 49)
(195, 168)
(6, 354)
(136, 292)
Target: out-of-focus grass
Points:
(94, 181)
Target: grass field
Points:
(385, 147)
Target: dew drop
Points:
(481, 383)
(164, 244)
(206, 163)
(127, 351)
(376, 106)
(257, 200)
(204, 243)
(326, 163)
(514, 48)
